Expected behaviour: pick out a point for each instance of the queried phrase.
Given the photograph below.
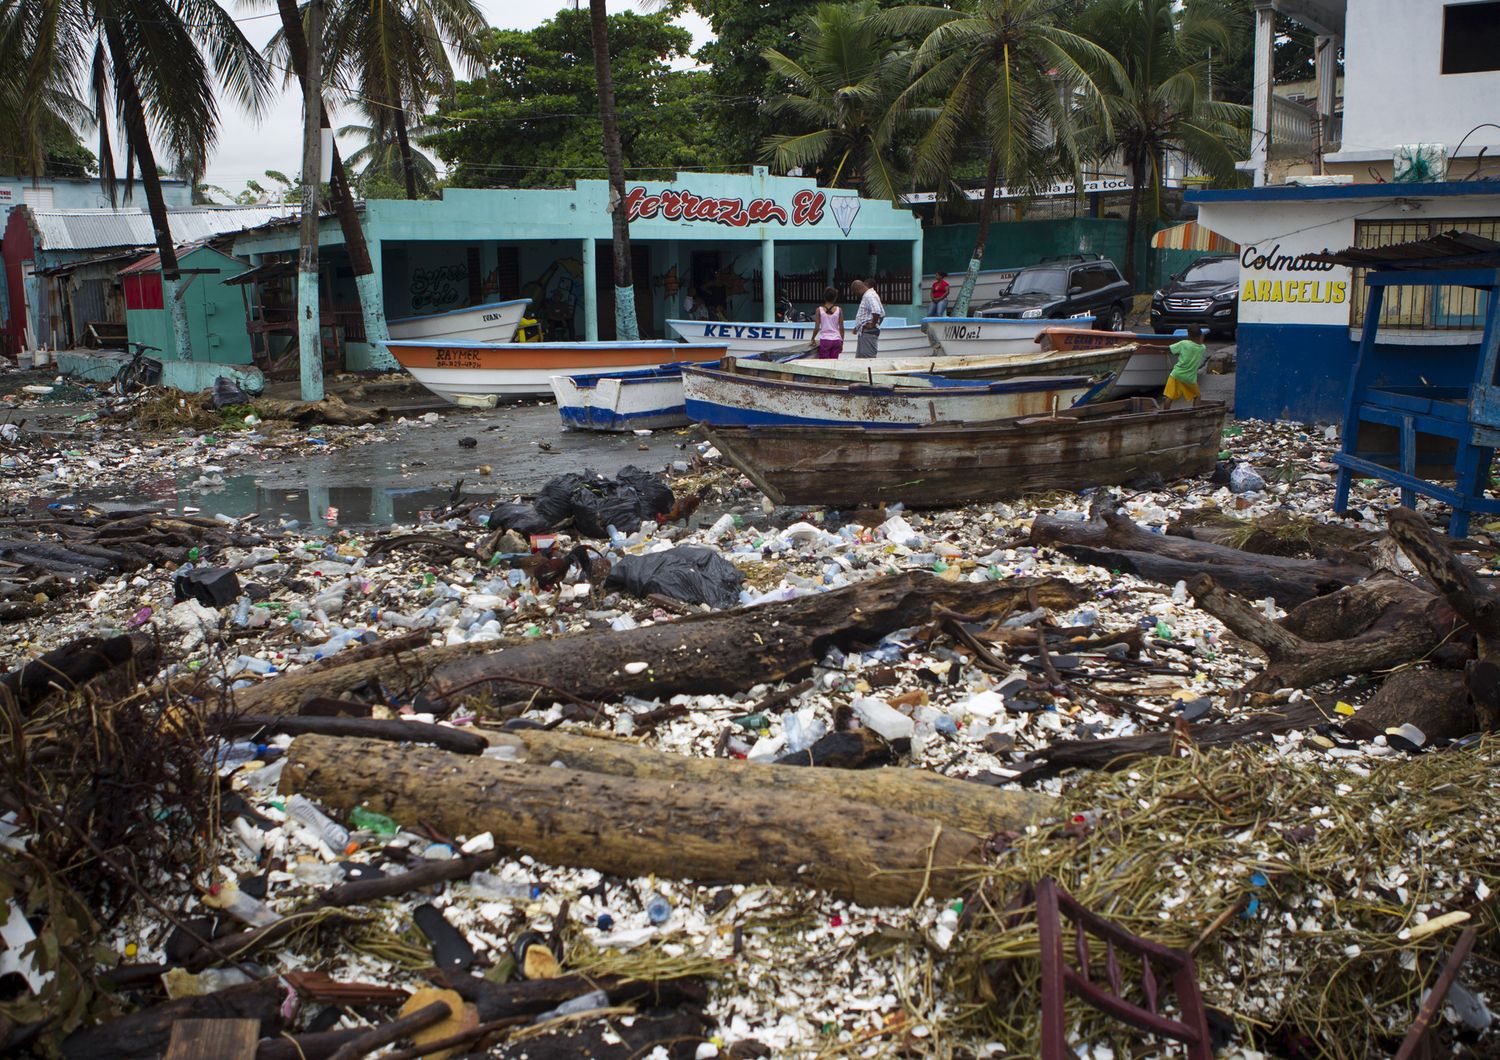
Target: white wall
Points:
(1395, 91)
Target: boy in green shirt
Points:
(1182, 382)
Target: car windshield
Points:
(1040, 281)
(1217, 270)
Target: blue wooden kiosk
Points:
(1467, 415)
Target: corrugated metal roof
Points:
(1451, 249)
(102, 229)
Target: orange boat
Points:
(482, 372)
(1147, 368)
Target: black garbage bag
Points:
(524, 519)
(227, 392)
(594, 513)
(555, 501)
(690, 573)
(653, 489)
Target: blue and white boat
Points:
(745, 339)
(491, 322)
(741, 394)
(992, 336)
(648, 399)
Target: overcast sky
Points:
(248, 148)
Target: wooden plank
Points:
(213, 1040)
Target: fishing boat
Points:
(478, 373)
(728, 396)
(897, 338)
(945, 466)
(491, 322)
(1146, 370)
(1107, 361)
(989, 336)
(648, 399)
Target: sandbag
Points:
(690, 573)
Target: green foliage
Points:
(533, 121)
(280, 188)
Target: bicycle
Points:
(138, 372)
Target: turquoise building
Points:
(740, 243)
(215, 311)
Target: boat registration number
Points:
(458, 358)
(961, 331)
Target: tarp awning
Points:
(1449, 250)
(1192, 236)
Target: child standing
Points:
(1182, 382)
(939, 295)
(830, 333)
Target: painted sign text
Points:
(683, 205)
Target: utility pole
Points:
(309, 329)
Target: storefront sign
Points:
(680, 204)
(7, 196)
(1090, 187)
(1279, 284)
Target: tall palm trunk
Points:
(408, 164)
(986, 208)
(626, 327)
(156, 203)
(371, 304)
(1133, 217)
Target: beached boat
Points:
(727, 396)
(622, 401)
(989, 336)
(1109, 361)
(1146, 370)
(491, 322)
(481, 372)
(945, 466)
(897, 338)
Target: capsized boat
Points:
(990, 336)
(897, 338)
(491, 322)
(481, 372)
(1146, 370)
(944, 465)
(648, 399)
(730, 396)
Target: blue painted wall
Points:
(1302, 371)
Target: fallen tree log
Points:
(75, 664)
(732, 650)
(960, 804)
(633, 827)
(531, 997)
(459, 741)
(146, 1033)
(1435, 701)
(1118, 543)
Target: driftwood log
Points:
(146, 1033)
(1113, 541)
(633, 827)
(75, 664)
(974, 808)
(715, 652)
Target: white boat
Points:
(491, 322)
(481, 372)
(1147, 368)
(649, 399)
(728, 397)
(989, 284)
(1092, 362)
(897, 337)
(991, 336)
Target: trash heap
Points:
(647, 766)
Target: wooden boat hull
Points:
(747, 339)
(989, 336)
(492, 322)
(476, 371)
(1147, 370)
(942, 466)
(1109, 361)
(622, 401)
(734, 398)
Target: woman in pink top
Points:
(830, 326)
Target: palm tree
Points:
(845, 83)
(147, 65)
(1010, 81)
(382, 154)
(1157, 92)
(626, 326)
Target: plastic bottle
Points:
(228, 898)
(333, 835)
(1179, 593)
(370, 821)
(880, 717)
(802, 731)
(488, 885)
(584, 1003)
(263, 779)
(240, 752)
(253, 665)
(658, 910)
(242, 612)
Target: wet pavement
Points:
(393, 481)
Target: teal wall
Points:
(215, 311)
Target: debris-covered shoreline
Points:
(1299, 868)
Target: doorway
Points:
(640, 271)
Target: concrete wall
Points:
(57, 193)
(1394, 89)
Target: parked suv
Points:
(1206, 293)
(1065, 287)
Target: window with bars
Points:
(1421, 308)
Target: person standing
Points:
(867, 319)
(939, 306)
(830, 333)
(1182, 381)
